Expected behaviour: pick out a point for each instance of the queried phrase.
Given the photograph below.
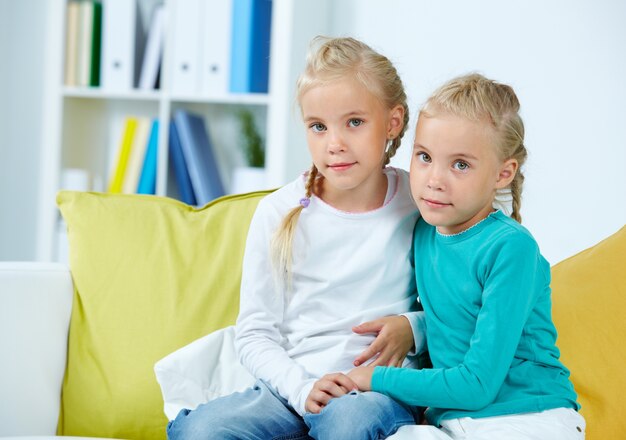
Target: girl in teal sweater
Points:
(482, 281)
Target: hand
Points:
(362, 376)
(329, 386)
(394, 341)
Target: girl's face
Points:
(347, 131)
(455, 171)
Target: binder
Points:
(179, 167)
(71, 43)
(250, 47)
(85, 31)
(199, 156)
(186, 47)
(137, 156)
(122, 41)
(217, 26)
(153, 51)
(147, 181)
(95, 45)
(116, 180)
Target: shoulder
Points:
(508, 237)
(284, 198)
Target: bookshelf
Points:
(82, 125)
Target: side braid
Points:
(281, 245)
(516, 196)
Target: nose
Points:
(435, 179)
(335, 142)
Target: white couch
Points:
(36, 302)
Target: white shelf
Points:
(82, 124)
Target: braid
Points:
(282, 242)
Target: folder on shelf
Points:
(147, 181)
(199, 156)
(95, 43)
(217, 27)
(122, 44)
(250, 47)
(85, 31)
(185, 65)
(179, 167)
(116, 180)
(71, 43)
(137, 156)
(153, 50)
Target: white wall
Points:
(566, 60)
(21, 78)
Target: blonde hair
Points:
(330, 60)
(480, 99)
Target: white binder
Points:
(186, 61)
(215, 74)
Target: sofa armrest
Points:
(35, 307)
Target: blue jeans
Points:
(259, 413)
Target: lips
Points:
(342, 166)
(435, 203)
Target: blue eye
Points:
(460, 165)
(317, 127)
(424, 157)
(355, 122)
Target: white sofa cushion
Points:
(35, 306)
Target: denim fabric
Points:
(259, 413)
(362, 416)
(256, 413)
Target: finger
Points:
(366, 355)
(346, 382)
(368, 327)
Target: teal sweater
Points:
(486, 294)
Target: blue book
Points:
(147, 179)
(199, 156)
(250, 46)
(179, 165)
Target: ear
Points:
(396, 121)
(507, 173)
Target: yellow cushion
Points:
(589, 295)
(150, 275)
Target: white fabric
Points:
(348, 268)
(201, 371)
(554, 424)
(35, 307)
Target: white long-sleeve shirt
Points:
(347, 268)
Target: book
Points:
(122, 34)
(199, 156)
(116, 180)
(147, 181)
(153, 51)
(179, 167)
(85, 31)
(71, 43)
(95, 45)
(215, 53)
(185, 79)
(137, 156)
(250, 46)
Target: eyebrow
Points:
(352, 113)
(417, 146)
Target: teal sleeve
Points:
(506, 304)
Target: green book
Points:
(96, 42)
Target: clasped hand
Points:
(394, 339)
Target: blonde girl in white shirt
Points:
(325, 254)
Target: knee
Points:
(360, 415)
